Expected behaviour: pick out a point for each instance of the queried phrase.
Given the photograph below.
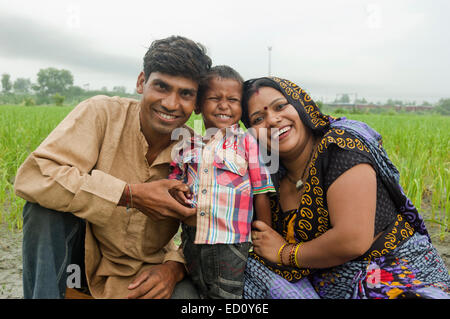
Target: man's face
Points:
(167, 103)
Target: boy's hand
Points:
(182, 194)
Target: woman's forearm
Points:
(328, 250)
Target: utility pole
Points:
(270, 57)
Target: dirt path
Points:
(10, 263)
(11, 259)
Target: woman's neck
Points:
(296, 164)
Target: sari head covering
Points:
(307, 109)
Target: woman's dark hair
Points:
(177, 56)
(250, 88)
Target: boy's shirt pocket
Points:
(232, 170)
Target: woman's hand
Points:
(266, 241)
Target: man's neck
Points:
(156, 143)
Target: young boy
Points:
(225, 178)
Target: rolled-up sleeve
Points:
(60, 174)
(258, 172)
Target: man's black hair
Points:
(177, 56)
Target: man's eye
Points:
(161, 86)
(187, 93)
(232, 99)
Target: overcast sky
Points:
(376, 49)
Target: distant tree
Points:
(22, 86)
(361, 101)
(51, 81)
(6, 83)
(343, 99)
(58, 99)
(120, 89)
(443, 106)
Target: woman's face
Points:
(268, 108)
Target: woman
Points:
(341, 221)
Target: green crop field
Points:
(419, 145)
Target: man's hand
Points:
(155, 201)
(157, 282)
(182, 194)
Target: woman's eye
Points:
(257, 120)
(281, 106)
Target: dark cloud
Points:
(26, 39)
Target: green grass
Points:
(418, 145)
(22, 129)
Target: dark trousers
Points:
(52, 242)
(216, 270)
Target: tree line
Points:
(53, 86)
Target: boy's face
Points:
(221, 103)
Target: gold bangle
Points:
(296, 253)
(280, 262)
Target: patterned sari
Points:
(402, 262)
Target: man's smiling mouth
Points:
(166, 116)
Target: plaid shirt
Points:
(223, 175)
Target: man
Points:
(96, 187)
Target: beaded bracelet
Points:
(292, 256)
(280, 262)
(281, 255)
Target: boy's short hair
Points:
(177, 56)
(218, 71)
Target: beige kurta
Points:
(82, 167)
